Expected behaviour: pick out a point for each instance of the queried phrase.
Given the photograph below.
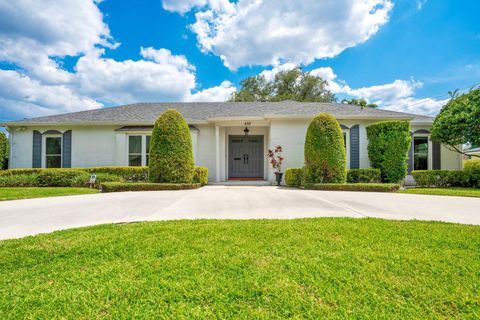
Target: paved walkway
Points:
(28, 217)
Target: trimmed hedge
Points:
(126, 186)
(19, 180)
(200, 175)
(294, 177)
(371, 187)
(171, 152)
(325, 156)
(363, 176)
(107, 177)
(448, 178)
(388, 145)
(130, 174)
(472, 170)
(3, 151)
(63, 178)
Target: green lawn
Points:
(461, 192)
(309, 268)
(26, 193)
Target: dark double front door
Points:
(245, 157)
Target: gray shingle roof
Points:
(146, 113)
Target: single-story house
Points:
(472, 153)
(229, 138)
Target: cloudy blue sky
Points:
(68, 55)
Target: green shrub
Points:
(131, 174)
(63, 178)
(12, 172)
(325, 158)
(472, 171)
(200, 175)
(294, 177)
(19, 180)
(388, 145)
(107, 177)
(171, 153)
(3, 151)
(441, 178)
(458, 178)
(127, 186)
(371, 187)
(363, 176)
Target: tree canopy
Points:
(458, 122)
(294, 84)
(360, 102)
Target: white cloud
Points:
(183, 6)
(266, 32)
(386, 93)
(421, 4)
(25, 97)
(326, 73)
(213, 94)
(31, 32)
(399, 95)
(161, 77)
(270, 74)
(34, 34)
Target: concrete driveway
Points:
(28, 217)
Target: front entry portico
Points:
(245, 157)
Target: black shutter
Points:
(355, 147)
(37, 149)
(67, 149)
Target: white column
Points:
(217, 153)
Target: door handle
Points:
(247, 158)
(244, 159)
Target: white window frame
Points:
(430, 150)
(347, 144)
(144, 146)
(44, 148)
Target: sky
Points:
(62, 56)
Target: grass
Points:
(307, 268)
(460, 192)
(26, 193)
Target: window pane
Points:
(148, 145)
(420, 153)
(54, 162)
(53, 145)
(345, 140)
(135, 160)
(135, 144)
(148, 158)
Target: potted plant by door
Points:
(276, 159)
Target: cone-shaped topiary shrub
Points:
(171, 155)
(388, 145)
(325, 157)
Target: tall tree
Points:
(458, 122)
(293, 84)
(360, 102)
